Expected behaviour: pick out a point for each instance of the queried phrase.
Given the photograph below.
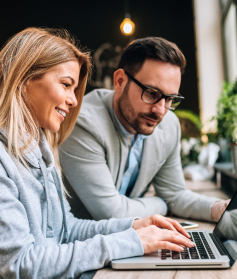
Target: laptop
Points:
(217, 249)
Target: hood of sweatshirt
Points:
(34, 152)
(41, 157)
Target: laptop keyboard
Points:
(202, 250)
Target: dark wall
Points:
(97, 22)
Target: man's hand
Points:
(160, 222)
(218, 209)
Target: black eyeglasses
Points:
(153, 96)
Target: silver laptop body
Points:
(217, 249)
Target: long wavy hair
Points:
(29, 55)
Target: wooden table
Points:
(207, 188)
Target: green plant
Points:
(188, 114)
(190, 150)
(190, 144)
(231, 120)
(227, 112)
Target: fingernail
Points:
(192, 243)
(181, 249)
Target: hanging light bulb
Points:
(127, 27)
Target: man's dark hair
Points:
(155, 48)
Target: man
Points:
(128, 138)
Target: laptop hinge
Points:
(221, 248)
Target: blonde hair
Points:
(28, 55)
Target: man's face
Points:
(137, 116)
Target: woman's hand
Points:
(160, 222)
(154, 238)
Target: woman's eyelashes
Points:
(66, 84)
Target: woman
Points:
(43, 76)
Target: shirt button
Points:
(127, 173)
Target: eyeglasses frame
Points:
(144, 87)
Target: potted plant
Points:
(190, 136)
(223, 137)
(190, 123)
(227, 118)
(231, 126)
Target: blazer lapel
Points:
(152, 158)
(122, 151)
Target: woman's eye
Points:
(66, 84)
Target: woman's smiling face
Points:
(52, 95)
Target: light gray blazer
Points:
(93, 160)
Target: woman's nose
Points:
(71, 99)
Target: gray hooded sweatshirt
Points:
(39, 237)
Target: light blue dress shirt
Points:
(134, 158)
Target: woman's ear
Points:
(120, 80)
(24, 90)
(25, 86)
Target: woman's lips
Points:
(60, 115)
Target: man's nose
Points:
(159, 108)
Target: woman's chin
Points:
(53, 128)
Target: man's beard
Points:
(128, 113)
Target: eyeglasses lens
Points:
(151, 96)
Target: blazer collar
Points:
(108, 102)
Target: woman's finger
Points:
(178, 227)
(163, 222)
(170, 246)
(176, 238)
(171, 224)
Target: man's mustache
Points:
(152, 116)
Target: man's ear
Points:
(120, 80)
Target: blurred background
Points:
(97, 25)
(205, 30)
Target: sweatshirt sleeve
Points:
(24, 254)
(81, 230)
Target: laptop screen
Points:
(226, 229)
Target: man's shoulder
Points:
(96, 112)
(95, 102)
(169, 120)
(169, 124)
(168, 130)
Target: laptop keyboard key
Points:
(176, 256)
(202, 250)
